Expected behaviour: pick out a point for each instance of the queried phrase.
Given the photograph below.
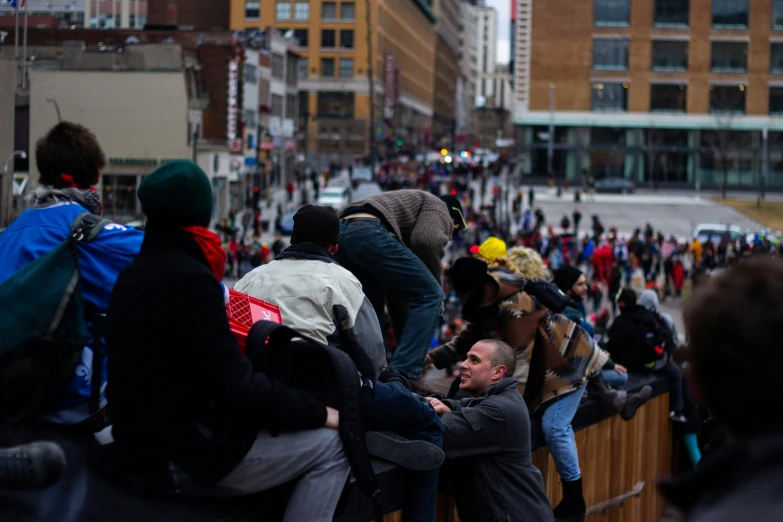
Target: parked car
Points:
(715, 231)
(336, 197)
(365, 190)
(361, 174)
(615, 186)
(287, 223)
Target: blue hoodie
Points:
(36, 232)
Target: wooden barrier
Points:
(615, 456)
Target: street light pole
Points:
(550, 151)
(56, 107)
(370, 59)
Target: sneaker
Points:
(417, 455)
(677, 417)
(634, 401)
(31, 466)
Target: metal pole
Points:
(24, 49)
(550, 151)
(16, 32)
(764, 162)
(114, 14)
(370, 58)
(136, 14)
(56, 107)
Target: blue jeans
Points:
(559, 435)
(388, 407)
(385, 266)
(614, 378)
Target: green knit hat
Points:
(177, 193)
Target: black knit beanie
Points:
(566, 277)
(316, 224)
(467, 273)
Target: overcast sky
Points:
(503, 7)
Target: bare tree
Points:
(725, 105)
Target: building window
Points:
(610, 55)
(346, 39)
(290, 106)
(613, 13)
(327, 67)
(668, 98)
(776, 58)
(328, 38)
(292, 71)
(277, 105)
(335, 105)
(347, 11)
(283, 10)
(777, 14)
(671, 13)
(329, 11)
(729, 57)
(278, 66)
(250, 119)
(730, 13)
(252, 9)
(251, 73)
(346, 67)
(727, 98)
(610, 97)
(300, 35)
(776, 100)
(302, 67)
(669, 56)
(302, 11)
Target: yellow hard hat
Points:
(492, 249)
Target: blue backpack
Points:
(44, 327)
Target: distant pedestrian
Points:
(577, 217)
(531, 196)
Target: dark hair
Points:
(72, 149)
(626, 296)
(733, 326)
(503, 355)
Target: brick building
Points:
(212, 15)
(677, 92)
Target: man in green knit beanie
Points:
(177, 193)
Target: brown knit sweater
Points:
(419, 219)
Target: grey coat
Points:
(487, 444)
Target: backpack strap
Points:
(87, 226)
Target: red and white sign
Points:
(233, 99)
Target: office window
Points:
(610, 97)
(302, 11)
(292, 71)
(277, 105)
(610, 55)
(615, 13)
(278, 66)
(327, 67)
(669, 55)
(335, 105)
(301, 35)
(251, 75)
(347, 11)
(668, 98)
(777, 14)
(671, 12)
(283, 10)
(346, 39)
(730, 13)
(729, 57)
(328, 38)
(250, 119)
(252, 9)
(329, 11)
(776, 100)
(302, 67)
(776, 59)
(727, 98)
(346, 68)
(290, 106)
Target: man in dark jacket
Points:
(189, 414)
(733, 326)
(394, 244)
(487, 442)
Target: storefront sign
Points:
(133, 161)
(233, 99)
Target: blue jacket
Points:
(36, 232)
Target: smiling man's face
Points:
(478, 374)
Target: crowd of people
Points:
(195, 414)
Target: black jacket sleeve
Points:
(213, 348)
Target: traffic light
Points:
(400, 142)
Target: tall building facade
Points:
(447, 70)
(103, 14)
(667, 92)
(468, 65)
(337, 47)
(487, 50)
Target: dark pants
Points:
(388, 407)
(385, 266)
(674, 374)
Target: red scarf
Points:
(211, 247)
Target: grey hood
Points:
(649, 300)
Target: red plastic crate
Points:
(243, 311)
